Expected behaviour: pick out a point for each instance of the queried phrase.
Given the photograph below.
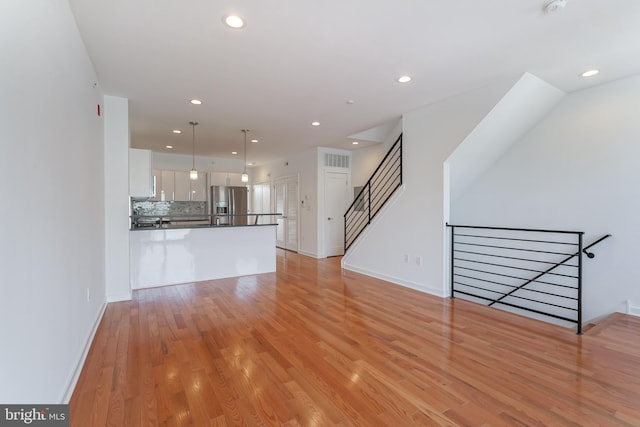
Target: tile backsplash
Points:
(168, 208)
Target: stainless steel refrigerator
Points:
(227, 203)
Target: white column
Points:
(116, 169)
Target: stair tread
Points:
(610, 322)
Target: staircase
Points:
(384, 181)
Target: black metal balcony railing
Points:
(375, 193)
(539, 271)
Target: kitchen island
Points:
(169, 255)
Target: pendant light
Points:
(245, 175)
(194, 173)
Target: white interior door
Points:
(280, 191)
(336, 201)
(286, 203)
(292, 215)
(261, 202)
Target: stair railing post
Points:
(451, 260)
(369, 201)
(579, 284)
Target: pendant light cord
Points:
(193, 126)
(245, 149)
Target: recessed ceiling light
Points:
(169, 146)
(590, 73)
(355, 143)
(234, 21)
(177, 131)
(196, 102)
(254, 140)
(234, 152)
(403, 79)
(315, 123)
(351, 101)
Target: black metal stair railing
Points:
(534, 270)
(375, 193)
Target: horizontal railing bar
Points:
(483, 280)
(524, 298)
(513, 249)
(544, 293)
(384, 171)
(393, 157)
(540, 302)
(380, 200)
(512, 287)
(573, 288)
(477, 287)
(516, 229)
(511, 277)
(515, 268)
(511, 257)
(390, 177)
(520, 307)
(356, 218)
(519, 240)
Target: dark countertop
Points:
(169, 222)
(183, 226)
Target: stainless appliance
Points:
(229, 205)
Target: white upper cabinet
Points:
(182, 190)
(199, 188)
(140, 173)
(167, 180)
(177, 186)
(226, 178)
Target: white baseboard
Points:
(119, 297)
(71, 384)
(633, 309)
(309, 254)
(432, 290)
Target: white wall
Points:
(304, 165)
(577, 170)
(365, 161)
(52, 212)
(413, 225)
(117, 207)
(526, 103)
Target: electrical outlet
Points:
(88, 294)
(418, 260)
(406, 257)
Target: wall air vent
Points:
(336, 160)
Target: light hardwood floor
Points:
(312, 345)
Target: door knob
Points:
(329, 218)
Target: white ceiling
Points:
(298, 61)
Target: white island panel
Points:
(162, 257)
